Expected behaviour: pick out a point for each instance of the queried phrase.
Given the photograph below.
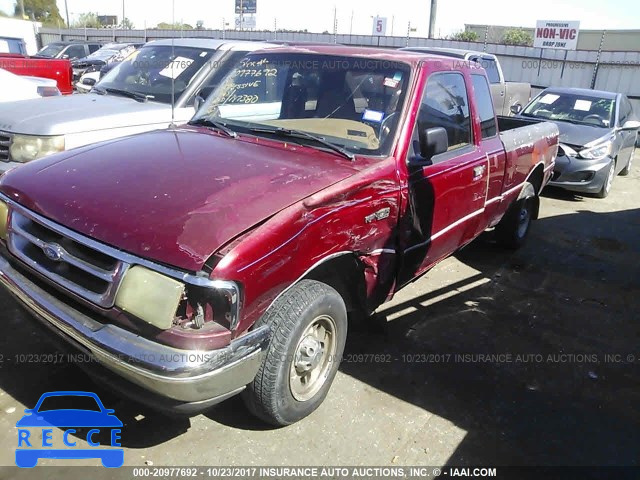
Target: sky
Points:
(318, 15)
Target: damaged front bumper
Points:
(580, 175)
(181, 380)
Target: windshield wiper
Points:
(139, 97)
(286, 132)
(220, 126)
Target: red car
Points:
(58, 70)
(230, 254)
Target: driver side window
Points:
(445, 104)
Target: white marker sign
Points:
(379, 26)
(556, 34)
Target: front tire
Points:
(513, 229)
(626, 170)
(608, 182)
(308, 333)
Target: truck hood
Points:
(80, 113)
(173, 196)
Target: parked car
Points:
(93, 76)
(195, 261)
(598, 133)
(111, 52)
(58, 70)
(135, 97)
(68, 50)
(13, 45)
(15, 87)
(508, 97)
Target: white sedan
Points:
(16, 87)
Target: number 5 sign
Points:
(379, 26)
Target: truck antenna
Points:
(173, 79)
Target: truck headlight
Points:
(4, 218)
(598, 151)
(150, 296)
(25, 148)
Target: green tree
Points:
(465, 36)
(174, 26)
(89, 20)
(45, 11)
(517, 36)
(126, 24)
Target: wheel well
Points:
(346, 275)
(536, 178)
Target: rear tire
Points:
(308, 333)
(513, 229)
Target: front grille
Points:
(5, 144)
(64, 259)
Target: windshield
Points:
(67, 402)
(51, 50)
(351, 102)
(574, 108)
(150, 70)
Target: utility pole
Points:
(66, 9)
(351, 24)
(123, 17)
(241, 16)
(335, 25)
(432, 18)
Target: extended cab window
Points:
(484, 103)
(445, 104)
(491, 67)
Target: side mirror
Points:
(65, 57)
(433, 141)
(516, 109)
(631, 125)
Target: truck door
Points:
(446, 193)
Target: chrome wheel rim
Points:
(313, 358)
(524, 217)
(612, 171)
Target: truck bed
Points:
(527, 143)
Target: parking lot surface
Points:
(493, 358)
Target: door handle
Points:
(478, 172)
(502, 93)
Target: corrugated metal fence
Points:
(612, 71)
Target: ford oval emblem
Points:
(53, 252)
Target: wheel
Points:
(514, 227)
(627, 170)
(308, 333)
(606, 188)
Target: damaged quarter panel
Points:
(357, 216)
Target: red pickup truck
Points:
(58, 70)
(230, 254)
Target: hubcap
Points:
(524, 217)
(314, 356)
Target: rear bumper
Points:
(580, 175)
(194, 377)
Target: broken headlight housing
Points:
(165, 302)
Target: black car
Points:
(71, 50)
(111, 52)
(597, 136)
